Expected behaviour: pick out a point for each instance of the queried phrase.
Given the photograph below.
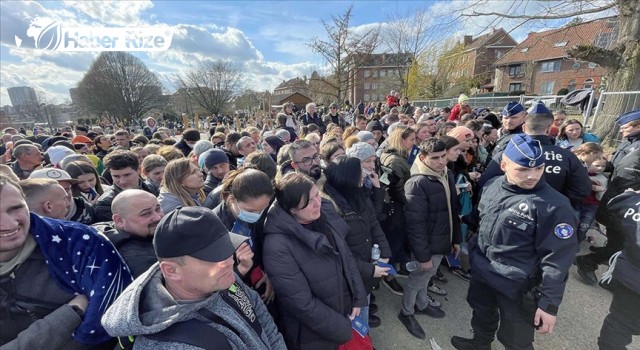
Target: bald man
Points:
(136, 214)
(46, 197)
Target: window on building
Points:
(383, 73)
(366, 86)
(524, 49)
(560, 44)
(588, 83)
(515, 87)
(367, 73)
(550, 66)
(515, 70)
(499, 53)
(373, 86)
(604, 40)
(572, 85)
(547, 88)
(375, 74)
(366, 97)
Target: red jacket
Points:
(455, 113)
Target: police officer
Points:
(630, 131)
(513, 116)
(563, 170)
(522, 253)
(625, 175)
(624, 313)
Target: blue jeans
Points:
(364, 311)
(586, 215)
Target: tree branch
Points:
(603, 57)
(547, 16)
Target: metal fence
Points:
(497, 103)
(626, 101)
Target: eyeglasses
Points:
(309, 160)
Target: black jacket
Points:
(183, 147)
(364, 232)
(562, 170)
(315, 119)
(427, 216)
(210, 183)
(136, 251)
(309, 276)
(627, 146)
(103, 205)
(627, 209)
(625, 175)
(505, 137)
(524, 235)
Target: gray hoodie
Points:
(146, 307)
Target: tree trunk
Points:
(626, 77)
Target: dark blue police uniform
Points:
(525, 242)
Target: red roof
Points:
(555, 43)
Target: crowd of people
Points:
(276, 233)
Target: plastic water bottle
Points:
(375, 253)
(413, 266)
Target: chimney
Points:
(467, 40)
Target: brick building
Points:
(477, 55)
(540, 64)
(373, 77)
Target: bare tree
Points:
(343, 49)
(248, 100)
(414, 33)
(119, 85)
(212, 85)
(621, 58)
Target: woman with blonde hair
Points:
(394, 163)
(182, 185)
(170, 153)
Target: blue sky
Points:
(268, 38)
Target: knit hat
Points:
(365, 136)
(361, 150)
(463, 98)
(461, 133)
(57, 153)
(211, 158)
(275, 142)
(81, 139)
(374, 125)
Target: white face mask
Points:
(366, 172)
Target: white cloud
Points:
(123, 13)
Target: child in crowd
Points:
(591, 155)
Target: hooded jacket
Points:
(146, 307)
(364, 232)
(432, 222)
(309, 276)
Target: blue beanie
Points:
(524, 151)
(211, 158)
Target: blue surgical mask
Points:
(249, 217)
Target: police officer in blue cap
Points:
(513, 116)
(630, 131)
(563, 170)
(521, 255)
(625, 175)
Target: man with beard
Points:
(136, 214)
(305, 159)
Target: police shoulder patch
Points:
(563, 231)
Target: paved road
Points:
(577, 328)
